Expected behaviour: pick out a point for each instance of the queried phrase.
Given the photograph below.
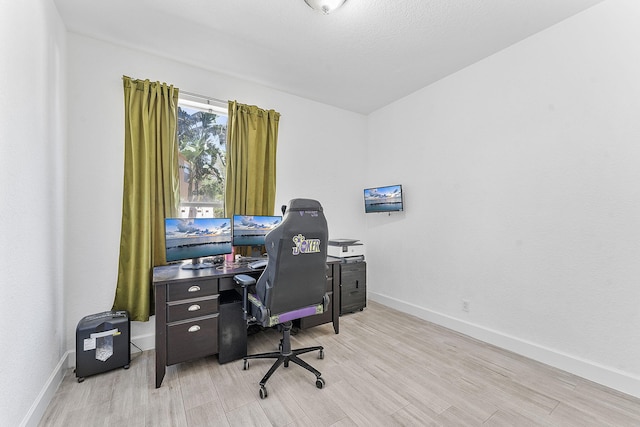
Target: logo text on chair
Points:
(304, 246)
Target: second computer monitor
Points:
(251, 230)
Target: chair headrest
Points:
(304, 205)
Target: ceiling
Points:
(362, 57)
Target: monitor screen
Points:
(383, 199)
(250, 230)
(194, 238)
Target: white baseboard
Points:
(609, 377)
(39, 406)
(143, 342)
(68, 360)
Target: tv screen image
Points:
(194, 238)
(383, 199)
(250, 230)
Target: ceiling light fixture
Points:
(324, 6)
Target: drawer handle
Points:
(194, 328)
(194, 289)
(194, 307)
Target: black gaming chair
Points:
(293, 284)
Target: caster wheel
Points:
(286, 364)
(126, 366)
(263, 392)
(245, 365)
(321, 354)
(319, 383)
(80, 379)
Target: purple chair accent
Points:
(297, 314)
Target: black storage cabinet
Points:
(353, 286)
(232, 328)
(92, 333)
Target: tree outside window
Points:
(202, 137)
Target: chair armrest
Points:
(244, 280)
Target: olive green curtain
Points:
(151, 190)
(252, 139)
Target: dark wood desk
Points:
(187, 310)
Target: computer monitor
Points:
(383, 199)
(195, 238)
(251, 230)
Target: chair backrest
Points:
(295, 275)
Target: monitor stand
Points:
(256, 251)
(197, 265)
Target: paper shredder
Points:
(102, 343)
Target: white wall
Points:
(319, 147)
(32, 72)
(521, 175)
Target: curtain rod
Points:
(206, 98)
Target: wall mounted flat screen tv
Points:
(383, 199)
(195, 238)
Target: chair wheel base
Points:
(263, 392)
(284, 358)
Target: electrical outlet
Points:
(465, 305)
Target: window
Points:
(202, 137)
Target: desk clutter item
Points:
(258, 264)
(345, 248)
(102, 343)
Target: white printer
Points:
(345, 248)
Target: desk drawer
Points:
(192, 289)
(353, 275)
(188, 340)
(351, 267)
(353, 300)
(191, 308)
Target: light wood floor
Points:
(385, 368)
